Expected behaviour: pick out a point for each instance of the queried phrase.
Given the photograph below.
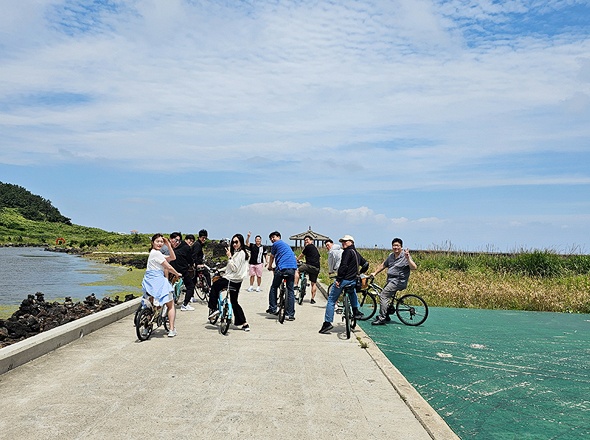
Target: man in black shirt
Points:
(311, 265)
(199, 256)
(182, 263)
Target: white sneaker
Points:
(250, 289)
(193, 299)
(172, 333)
(213, 313)
(258, 289)
(187, 307)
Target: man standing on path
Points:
(182, 263)
(311, 265)
(257, 260)
(334, 256)
(398, 264)
(347, 273)
(286, 264)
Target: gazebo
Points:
(318, 239)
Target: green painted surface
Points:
(497, 374)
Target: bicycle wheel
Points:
(225, 320)
(199, 287)
(411, 310)
(330, 288)
(347, 315)
(137, 313)
(302, 291)
(282, 301)
(367, 303)
(144, 326)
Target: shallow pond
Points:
(26, 271)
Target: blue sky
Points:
(453, 123)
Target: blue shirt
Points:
(284, 256)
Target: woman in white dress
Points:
(157, 290)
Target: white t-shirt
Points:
(155, 260)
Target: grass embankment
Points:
(533, 281)
(16, 229)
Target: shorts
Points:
(312, 271)
(256, 269)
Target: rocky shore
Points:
(36, 315)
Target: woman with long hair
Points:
(156, 288)
(235, 271)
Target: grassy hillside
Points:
(14, 228)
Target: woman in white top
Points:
(235, 271)
(156, 287)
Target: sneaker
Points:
(272, 312)
(213, 313)
(359, 315)
(193, 299)
(290, 318)
(326, 327)
(312, 301)
(378, 321)
(172, 333)
(246, 328)
(258, 289)
(186, 307)
(250, 289)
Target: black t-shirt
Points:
(257, 253)
(197, 252)
(183, 258)
(312, 255)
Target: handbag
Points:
(359, 281)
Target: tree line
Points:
(30, 206)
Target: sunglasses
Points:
(235, 242)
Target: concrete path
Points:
(277, 381)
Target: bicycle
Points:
(202, 287)
(225, 312)
(179, 289)
(367, 297)
(282, 301)
(345, 309)
(147, 317)
(302, 287)
(410, 309)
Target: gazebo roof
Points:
(314, 235)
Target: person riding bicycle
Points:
(347, 273)
(156, 288)
(398, 266)
(286, 264)
(182, 264)
(311, 265)
(235, 271)
(199, 257)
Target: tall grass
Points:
(533, 280)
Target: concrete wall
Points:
(22, 352)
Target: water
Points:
(25, 271)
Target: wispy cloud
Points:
(395, 94)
